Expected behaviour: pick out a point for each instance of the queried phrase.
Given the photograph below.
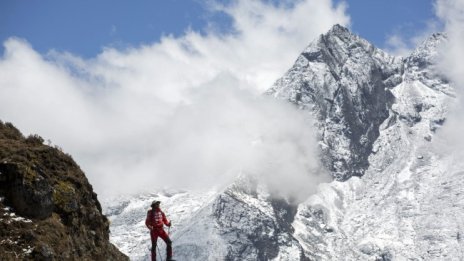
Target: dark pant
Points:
(154, 234)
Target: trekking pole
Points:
(159, 252)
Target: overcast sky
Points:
(167, 93)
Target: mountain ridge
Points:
(343, 77)
(377, 116)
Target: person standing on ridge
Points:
(155, 221)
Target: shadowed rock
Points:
(48, 208)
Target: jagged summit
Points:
(421, 64)
(338, 29)
(340, 37)
(345, 80)
(427, 52)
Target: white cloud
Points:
(451, 13)
(179, 112)
(398, 46)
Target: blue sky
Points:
(376, 20)
(84, 27)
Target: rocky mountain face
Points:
(345, 80)
(395, 196)
(48, 210)
(407, 205)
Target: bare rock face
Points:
(264, 230)
(30, 198)
(48, 210)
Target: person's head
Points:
(155, 204)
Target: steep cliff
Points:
(345, 81)
(48, 210)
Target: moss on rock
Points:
(48, 208)
(64, 197)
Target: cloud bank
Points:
(451, 14)
(183, 112)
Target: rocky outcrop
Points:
(48, 210)
(262, 221)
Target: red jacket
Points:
(156, 219)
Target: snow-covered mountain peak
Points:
(340, 43)
(422, 64)
(427, 52)
(344, 81)
(377, 115)
(391, 212)
(339, 29)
